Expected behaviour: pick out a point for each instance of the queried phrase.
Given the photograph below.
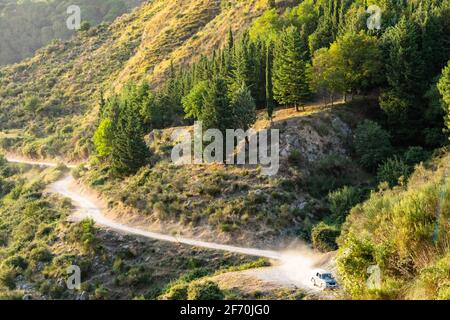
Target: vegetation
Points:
(114, 94)
(372, 144)
(403, 231)
(32, 25)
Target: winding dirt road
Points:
(292, 268)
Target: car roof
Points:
(320, 271)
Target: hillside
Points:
(32, 25)
(53, 97)
(237, 204)
(405, 232)
(356, 110)
(38, 244)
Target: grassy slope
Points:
(31, 25)
(236, 203)
(67, 77)
(37, 245)
(405, 231)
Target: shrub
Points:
(391, 171)
(177, 292)
(372, 144)
(324, 237)
(16, 261)
(295, 158)
(41, 254)
(85, 26)
(101, 293)
(7, 277)
(342, 200)
(415, 155)
(204, 290)
(328, 174)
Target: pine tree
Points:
(129, 151)
(269, 85)
(444, 89)
(290, 77)
(403, 100)
(243, 108)
(216, 113)
(241, 64)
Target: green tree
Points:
(267, 27)
(351, 64)
(193, 102)
(341, 201)
(244, 108)
(359, 57)
(372, 144)
(402, 101)
(444, 89)
(270, 104)
(129, 151)
(216, 112)
(327, 79)
(291, 80)
(103, 137)
(241, 64)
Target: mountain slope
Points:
(52, 97)
(33, 24)
(404, 233)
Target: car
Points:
(323, 279)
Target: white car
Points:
(323, 279)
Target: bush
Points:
(41, 254)
(330, 173)
(415, 155)
(391, 171)
(295, 158)
(177, 292)
(204, 290)
(101, 293)
(342, 200)
(7, 277)
(16, 261)
(372, 144)
(324, 237)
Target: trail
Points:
(293, 267)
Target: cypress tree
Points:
(290, 77)
(241, 64)
(216, 113)
(129, 151)
(269, 85)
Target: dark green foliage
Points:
(216, 111)
(324, 236)
(444, 89)
(330, 173)
(416, 49)
(85, 26)
(129, 151)
(342, 200)
(415, 155)
(372, 144)
(392, 170)
(291, 80)
(204, 290)
(270, 104)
